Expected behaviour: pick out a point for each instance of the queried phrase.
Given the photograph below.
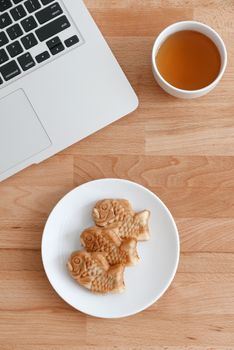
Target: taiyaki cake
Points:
(118, 212)
(107, 240)
(92, 271)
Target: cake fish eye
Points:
(77, 260)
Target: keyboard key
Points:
(49, 13)
(42, 57)
(26, 61)
(29, 24)
(53, 42)
(56, 49)
(32, 5)
(5, 20)
(52, 28)
(14, 48)
(29, 41)
(46, 2)
(3, 39)
(14, 31)
(17, 1)
(5, 5)
(71, 41)
(55, 45)
(3, 56)
(1, 81)
(18, 12)
(10, 70)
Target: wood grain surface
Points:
(181, 150)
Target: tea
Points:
(188, 60)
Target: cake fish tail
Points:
(116, 275)
(129, 246)
(143, 219)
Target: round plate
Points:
(145, 282)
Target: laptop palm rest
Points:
(21, 132)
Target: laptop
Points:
(59, 81)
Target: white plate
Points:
(145, 282)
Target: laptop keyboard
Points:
(32, 32)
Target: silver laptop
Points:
(59, 81)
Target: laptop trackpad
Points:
(21, 132)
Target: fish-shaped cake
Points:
(118, 212)
(107, 240)
(92, 271)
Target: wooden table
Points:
(181, 150)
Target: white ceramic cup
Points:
(198, 27)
